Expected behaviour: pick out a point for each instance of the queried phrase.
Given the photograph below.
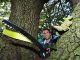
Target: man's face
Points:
(46, 34)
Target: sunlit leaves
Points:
(54, 11)
(4, 11)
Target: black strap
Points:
(24, 33)
(42, 53)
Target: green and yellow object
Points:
(15, 35)
(68, 18)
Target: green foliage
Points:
(4, 0)
(4, 11)
(54, 11)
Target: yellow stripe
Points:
(68, 18)
(15, 35)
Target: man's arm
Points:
(54, 39)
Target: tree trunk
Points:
(68, 46)
(75, 2)
(24, 14)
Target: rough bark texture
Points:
(68, 46)
(24, 14)
(74, 2)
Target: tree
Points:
(24, 11)
(24, 14)
(68, 45)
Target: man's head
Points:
(46, 33)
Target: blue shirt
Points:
(51, 40)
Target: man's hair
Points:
(46, 29)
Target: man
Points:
(48, 39)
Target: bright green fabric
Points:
(15, 35)
(68, 18)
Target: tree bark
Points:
(75, 2)
(68, 46)
(24, 14)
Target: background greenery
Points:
(52, 12)
(68, 45)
